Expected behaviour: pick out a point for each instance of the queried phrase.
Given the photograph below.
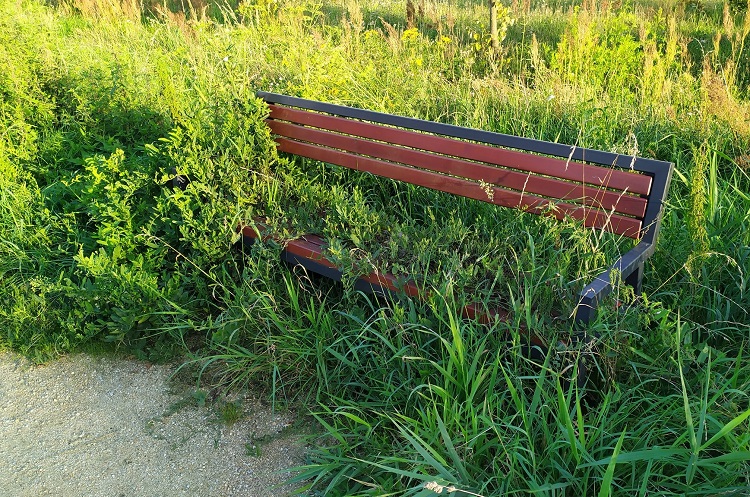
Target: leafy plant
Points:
(102, 105)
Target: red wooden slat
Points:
(309, 250)
(392, 283)
(590, 217)
(549, 187)
(311, 247)
(314, 240)
(249, 231)
(613, 178)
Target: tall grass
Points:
(102, 102)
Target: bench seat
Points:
(618, 193)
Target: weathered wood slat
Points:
(613, 178)
(312, 248)
(588, 195)
(590, 217)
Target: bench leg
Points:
(636, 279)
(585, 312)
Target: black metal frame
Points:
(630, 265)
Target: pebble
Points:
(84, 426)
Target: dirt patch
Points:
(110, 427)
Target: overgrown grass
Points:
(102, 102)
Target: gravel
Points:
(89, 426)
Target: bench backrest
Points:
(617, 193)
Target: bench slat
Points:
(311, 248)
(612, 178)
(591, 217)
(523, 182)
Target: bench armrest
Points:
(627, 265)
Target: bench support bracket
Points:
(635, 279)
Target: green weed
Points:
(101, 103)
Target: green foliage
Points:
(101, 105)
(604, 51)
(487, 423)
(97, 248)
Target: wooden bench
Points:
(618, 193)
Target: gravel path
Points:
(84, 426)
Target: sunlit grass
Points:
(101, 101)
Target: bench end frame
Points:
(631, 265)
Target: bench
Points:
(618, 193)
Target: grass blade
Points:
(606, 488)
